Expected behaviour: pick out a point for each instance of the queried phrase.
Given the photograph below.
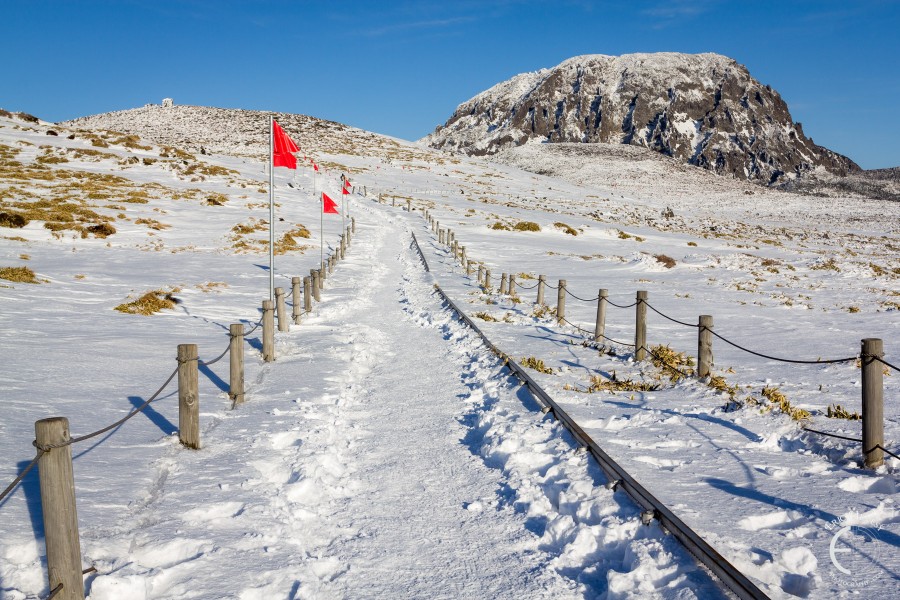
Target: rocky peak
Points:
(703, 109)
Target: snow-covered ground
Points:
(387, 453)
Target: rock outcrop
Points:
(703, 109)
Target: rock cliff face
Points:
(704, 109)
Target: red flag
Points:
(316, 167)
(346, 183)
(282, 147)
(345, 191)
(328, 205)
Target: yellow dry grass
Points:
(150, 303)
(18, 274)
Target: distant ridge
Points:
(233, 131)
(703, 109)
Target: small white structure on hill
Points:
(168, 103)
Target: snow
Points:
(386, 452)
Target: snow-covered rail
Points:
(619, 478)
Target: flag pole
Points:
(271, 210)
(343, 206)
(322, 232)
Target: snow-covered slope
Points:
(703, 109)
(385, 445)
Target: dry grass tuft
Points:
(536, 364)
(18, 274)
(669, 360)
(150, 303)
(599, 383)
(666, 261)
(836, 411)
(778, 400)
(485, 317)
(566, 228)
(12, 220)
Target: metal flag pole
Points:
(343, 206)
(271, 210)
(321, 225)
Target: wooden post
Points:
(487, 279)
(322, 275)
(343, 246)
(295, 307)
(353, 224)
(316, 286)
(189, 395)
(872, 402)
(600, 325)
(280, 310)
(561, 301)
(511, 289)
(307, 298)
(462, 253)
(640, 329)
(434, 226)
(480, 273)
(57, 483)
(268, 331)
(236, 356)
(704, 346)
(540, 293)
(441, 234)
(408, 206)
(503, 279)
(468, 268)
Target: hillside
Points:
(387, 452)
(704, 110)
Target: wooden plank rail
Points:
(619, 478)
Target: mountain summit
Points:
(703, 109)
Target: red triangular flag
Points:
(316, 167)
(346, 183)
(282, 147)
(345, 191)
(328, 205)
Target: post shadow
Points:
(156, 418)
(215, 379)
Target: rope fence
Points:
(52, 441)
(871, 354)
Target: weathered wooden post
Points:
(511, 289)
(343, 246)
(353, 224)
(561, 301)
(503, 279)
(322, 275)
(640, 329)
(540, 293)
(468, 268)
(434, 226)
(480, 273)
(872, 402)
(463, 260)
(408, 205)
(57, 483)
(704, 346)
(295, 294)
(307, 298)
(441, 236)
(236, 363)
(487, 280)
(189, 395)
(280, 310)
(316, 286)
(600, 325)
(268, 331)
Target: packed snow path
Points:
(400, 463)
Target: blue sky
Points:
(402, 67)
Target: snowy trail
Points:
(400, 462)
(355, 471)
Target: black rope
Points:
(564, 320)
(552, 287)
(834, 435)
(787, 360)
(525, 287)
(884, 362)
(609, 339)
(582, 299)
(55, 591)
(215, 360)
(114, 425)
(669, 318)
(21, 476)
(255, 327)
(611, 303)
(883, 449)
